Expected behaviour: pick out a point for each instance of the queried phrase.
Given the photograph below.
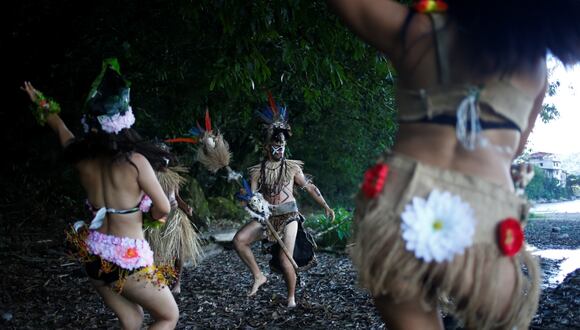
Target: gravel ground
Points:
(42, 289)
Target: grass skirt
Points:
(469, 283)
(177, 239)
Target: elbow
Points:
(159, 214)
(161, 210)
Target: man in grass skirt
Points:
(271, 198)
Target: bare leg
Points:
(129, 313)
(159, 302)
(179, 271)
(242, 241)
(408, 315)
(287, 269)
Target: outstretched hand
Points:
(329, 213)
(31, 91)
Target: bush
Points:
(330, 233)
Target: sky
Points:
(560, 136)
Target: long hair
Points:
(116, 147)
(505, 35)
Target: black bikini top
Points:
(506, 106)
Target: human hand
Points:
(329, 213)
(188, 210)
(31, 91)
(45, 109)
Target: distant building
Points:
(550, 164)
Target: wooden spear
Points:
(282, 245)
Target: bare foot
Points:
(258, 282)
(291, 302)
(176, 288)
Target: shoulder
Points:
(254, 171)
(531, 79)
(294, 166)
(254, 168)
(294, 162)
(140, 161)
(138, 158)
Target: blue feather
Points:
(283, 113)
(247, 195)
(195, 132)
(247, 187)
(267, 118)
(268, 112)
(242, 197)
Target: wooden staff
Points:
(282, 245)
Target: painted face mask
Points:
(276, 149)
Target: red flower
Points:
(44, 104)
(510, 236)
(430, 6)
(131, 253)
(374, 180)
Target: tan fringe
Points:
(177, 239)
(386, 268)
(470, 285)
(273, 171)
(170, 179)
(214, 158)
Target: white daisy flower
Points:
(438, 228)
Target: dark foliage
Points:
(182, 56)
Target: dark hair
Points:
(118, 146)
(505, 35)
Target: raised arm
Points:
(150, 185)
(52, 119)
(537, 108)
(301, 181)
(378, 22)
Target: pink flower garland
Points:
(117, 122)
(145, 204)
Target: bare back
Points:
(380, 23)
(120, 185)
(437, 144)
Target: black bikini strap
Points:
(441, 47)
(405, 27)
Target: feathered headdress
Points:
(214, 152)
(275, 121)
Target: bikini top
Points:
(505, 106)
(110, 210)
(99, 214)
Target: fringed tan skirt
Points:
(177, 239)
(471, 282)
